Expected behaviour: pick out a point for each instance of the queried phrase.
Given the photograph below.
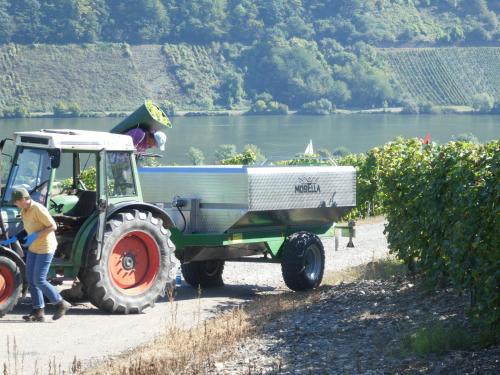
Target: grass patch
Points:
(195, 351)
(384, 269)
(440, 337)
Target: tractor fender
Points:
(167, 220)
(87, 240)
(12, 255)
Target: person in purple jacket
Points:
(144, 139)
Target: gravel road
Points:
(91, 335)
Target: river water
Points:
(282, 137)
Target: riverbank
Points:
(242, 112)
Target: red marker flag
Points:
(427, 139)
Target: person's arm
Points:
(47, 221)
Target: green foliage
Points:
(168, 108)
(410, 107)
(74, 110)
(246, 158)
(231, 90)
(223, 152)
(196, 156)
(319, 107)
(438, 338)
(265, 105)
(446, 76)
(87, 176)
(148, 161)
(60, 109)
(483, 102)
(221, 52)
(16, 112)
(441, 203)
(260, 158)
(442, 208)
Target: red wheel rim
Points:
(6, 283)
(134, 262)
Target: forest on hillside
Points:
(311, 55)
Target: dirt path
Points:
(91, 335)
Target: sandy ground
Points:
(90, 335)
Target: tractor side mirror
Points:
(55, 158)
(2, 145)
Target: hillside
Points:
(108, 77)
(446, 76)
(310, 55)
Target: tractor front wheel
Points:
(11, 282)
(134, 267)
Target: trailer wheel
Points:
(11, 283)
(205, 274)
(135, 263)
(303, 261)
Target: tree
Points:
(231, 89)
(26, 16)
(260, 158)
(225, 152)
(294, 73)
(199, 21)
(196, 156)
(319, 107)
(137, 21)
(60, 109)
(483, 103)
(6, 23)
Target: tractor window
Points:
(120, 175)
(30, 170)
(85, 172)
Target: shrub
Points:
(196, 156)
(441, 203)
(318, 107)
(483, 103)
(410, 108)
(260, 158)
(60, 109)
(15, 112)
(168, 108)
(224, 152)
(246, 158)
(265, 105)
(74, 110)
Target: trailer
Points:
(255, 214)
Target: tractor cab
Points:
(75, 174)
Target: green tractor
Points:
(117, 245)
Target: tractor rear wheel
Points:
(303, 261)
(134, 267)
(11, 283)
(204, 274)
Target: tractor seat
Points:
(85, 207)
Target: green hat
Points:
(18, 194)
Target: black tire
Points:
(204, 274)
(11, 283)
(130, 235)
(303, 261)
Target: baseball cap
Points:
(161, 139)
(19, 193)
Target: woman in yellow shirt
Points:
(42, 243)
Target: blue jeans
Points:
(37, 268)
